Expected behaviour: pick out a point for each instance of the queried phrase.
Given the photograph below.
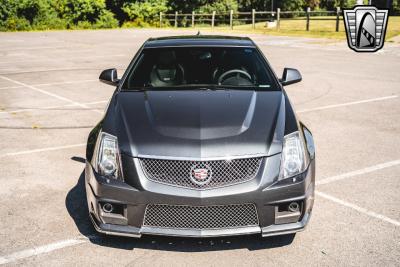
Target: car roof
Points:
(199, 40)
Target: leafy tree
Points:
(29, 9)
(292, 5)
(339, 3)
(7, 11)
(396, 7)
(187, 6)
(328, 4)
(145, 11)
(75, 11)
(28, 14)
(220, 6)
(248, 5)
(115, 6)
(106, 20)
(312, 3)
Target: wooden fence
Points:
(236, 18)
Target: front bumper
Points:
(272, 230)
(266, 197)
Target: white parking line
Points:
(358, 208)
(40, 150)
(49, 94)
(69, 82)
(37, 47)
(40, 250)
(348, 103)
(96, 102)
(358, 172)
(55, 58)
(48, 84)
(11, 87)
(52, 107)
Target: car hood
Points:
(192, 124)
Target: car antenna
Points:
(198, 33)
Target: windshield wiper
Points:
(208, 88)
(202, 87)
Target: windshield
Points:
(200, 67)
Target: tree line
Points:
(91, 14)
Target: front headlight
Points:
(293, 159)
(108, 160)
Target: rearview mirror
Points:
(290, 76)
(109, 76)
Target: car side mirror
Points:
(109, 76)
(290, 76)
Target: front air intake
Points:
(200, 217)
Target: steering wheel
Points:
(238, 73)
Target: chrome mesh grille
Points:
(200, 217)
(222, 172)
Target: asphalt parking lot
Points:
(50, 98)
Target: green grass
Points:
(393, 27)
(297, 27)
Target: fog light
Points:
(293, 207)
(108, 207)
(289, 212)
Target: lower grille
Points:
(201, 217)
